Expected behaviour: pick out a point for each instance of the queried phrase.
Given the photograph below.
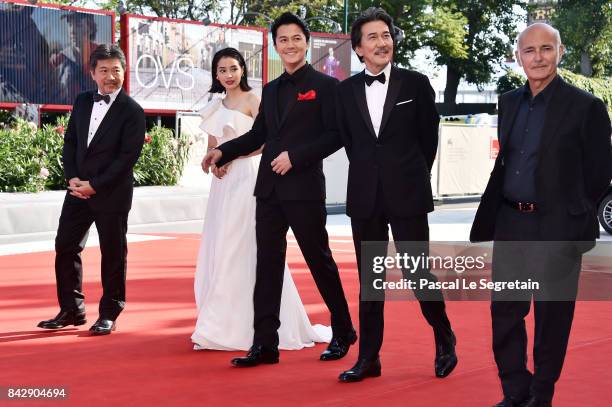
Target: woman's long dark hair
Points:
(233, 53)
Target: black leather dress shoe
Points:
(257, 355)
(339, 347)
(103, 327)
(64, 318)
(536, 402)
(446, 358)
(362, 369)
(510, 402)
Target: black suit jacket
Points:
(303, 121)
(400, 158)
(574, 168)
(109, 160)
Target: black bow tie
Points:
(98, 97)
(380, 78)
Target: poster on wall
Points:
(275, 65)
(44, 52)
(170, 60)
(328, 53)
(331, 54)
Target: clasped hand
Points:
(80, 189)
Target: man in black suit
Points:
(102, 143)
(539, 207)
(295, 108)
(389, 128)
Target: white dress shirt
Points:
(376, 94)
(97, 114)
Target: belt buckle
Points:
(526, 207)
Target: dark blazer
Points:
(400, 158)
(574, 168)
(303, 121)
(109, 160)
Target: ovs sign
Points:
(181, 65)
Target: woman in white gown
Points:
(225, 271)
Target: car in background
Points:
(604, 212)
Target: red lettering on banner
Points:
(494, 148)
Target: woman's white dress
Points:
(225, 271)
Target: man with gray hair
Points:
(539, 206)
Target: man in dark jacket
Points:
(539, 207)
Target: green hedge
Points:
(600, 87)
(51, 142)
(163, 158)
(22, 162)
(30, 158)
(509, 81)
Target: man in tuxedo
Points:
(539, 207)
(295, 108)
(102, 143)
(389, 128)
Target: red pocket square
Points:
(310, 95)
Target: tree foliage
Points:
(490, 29)
(470, 37)
(195, 10)
(509, 81)
(447, 32)
(304, 8)
(76, 3)
(599, 87)
(408, 15)
(586, 31)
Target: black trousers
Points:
(75, 220)
(518, 255)
(307, 221)
(411, 236)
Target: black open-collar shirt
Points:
(289, 86)
(522, 148)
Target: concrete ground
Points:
(450, 221)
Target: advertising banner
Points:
(331, 54)
(328, 53)
(466, 157)
(170, 60)
(44, 52)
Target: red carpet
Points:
(148, 361)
